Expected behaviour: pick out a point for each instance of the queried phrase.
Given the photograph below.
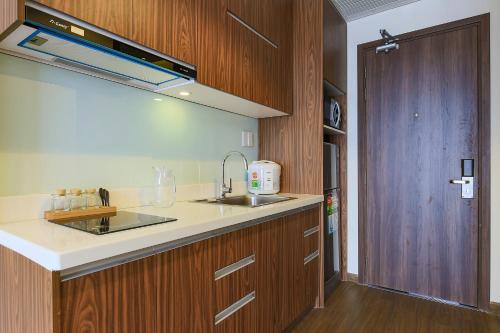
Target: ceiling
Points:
(354, 9)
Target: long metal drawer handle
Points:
(311, 257)
(311, 231)
(225, 271)
(221, 316)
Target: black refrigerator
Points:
(331, 211)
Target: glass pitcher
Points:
(164, 188)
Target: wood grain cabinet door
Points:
(234, 276)
(245, 54)
(11, 15)
(300, 265)
(265, 16)
(269, 258)
(334, 47)
(292, 269)
(311, 262)
(168, 26)
(111, 15)
(184, 289)
(118, 299)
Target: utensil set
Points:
(104, 195)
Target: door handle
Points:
(460, 181)
(467, 181)
(467, 184)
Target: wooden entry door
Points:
(421, 117)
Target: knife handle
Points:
(101, 195)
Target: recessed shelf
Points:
(332, 130)
(331, 90)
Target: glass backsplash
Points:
(64, 129)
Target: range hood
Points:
(54, 38)
(47, 36)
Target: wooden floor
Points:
(356, 309)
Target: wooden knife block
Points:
(63, 215)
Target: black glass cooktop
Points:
(112, 223)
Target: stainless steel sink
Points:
(248, 200)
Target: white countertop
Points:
(59, 248)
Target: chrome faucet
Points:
(224, 189)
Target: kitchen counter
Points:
(59, 248)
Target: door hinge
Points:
(366, 262)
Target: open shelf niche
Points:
(339, 138)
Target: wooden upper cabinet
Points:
(245, 54)
(110, 15)
(265, 16)
(11, 15)
(241, 47)
(148, 25)
(334, 46)
(168, 26)
(255, 67)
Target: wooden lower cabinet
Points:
(300, 280)
(285, 285)
(118, 299)
(269, 262)
(292, 269)
(29, 295)
(257, 279)
(234, 281)
(311, 284)
(311, 263)
(184, 289)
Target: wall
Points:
(60, 129)
(422, 14)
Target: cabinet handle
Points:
(221, 316)
(311, 257)
(311, 231)
(225, 271)
(246, 25)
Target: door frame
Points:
(484, 141)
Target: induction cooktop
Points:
(119, 221)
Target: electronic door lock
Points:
(467, 180)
